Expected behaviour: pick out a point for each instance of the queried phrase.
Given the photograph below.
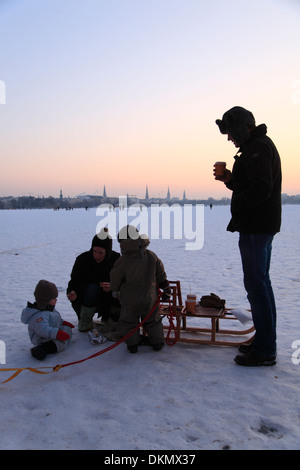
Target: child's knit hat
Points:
(44, 292)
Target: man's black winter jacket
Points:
(256, 186)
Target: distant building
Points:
(147, 194)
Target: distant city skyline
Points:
(92, 201)
(147, 196)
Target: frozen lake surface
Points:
(186, 397)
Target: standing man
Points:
(255, 182)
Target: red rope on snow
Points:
(112, 346)
(170, 316)
(60, 366)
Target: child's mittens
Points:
(62, 335)
(66, 323)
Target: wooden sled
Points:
(175, 305)
(213, 334)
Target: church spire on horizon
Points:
(147, 194)
(104, 192)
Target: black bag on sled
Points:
(212, 301)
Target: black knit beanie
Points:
(103, 240)
(44, 292)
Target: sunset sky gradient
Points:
(125, 93)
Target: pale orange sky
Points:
(121, 96)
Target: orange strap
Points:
(58, 367)
(31, 369)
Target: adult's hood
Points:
(131, 240)
(131, 246)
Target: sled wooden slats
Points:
(206, 323)
(213, 335)
(176, 297)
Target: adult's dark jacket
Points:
(256, 186)
(86, 271)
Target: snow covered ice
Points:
(185, 397)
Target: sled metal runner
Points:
(213, 334)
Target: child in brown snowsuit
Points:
(136, 275)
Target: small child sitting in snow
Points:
(47, 331)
